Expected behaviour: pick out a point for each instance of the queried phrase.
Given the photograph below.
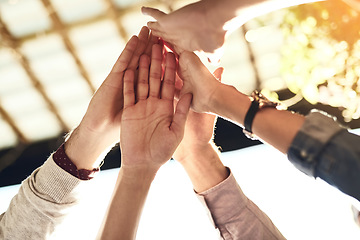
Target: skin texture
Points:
(99, 128)
(150, 132)
(197, 153)
(278, 128)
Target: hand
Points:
(189, 28)
(150, 130)
(198, 133)
(105, 109)
(99, 128)
(197, 80)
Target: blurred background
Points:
(55, 53)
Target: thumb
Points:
(218, 73)
(181, 113)
(152, 12)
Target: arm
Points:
(278, 128)
(322, 148)
(46, 197)
(231, 211)
(150, 133)
(213, 19)
(312, 145)
(98, 130)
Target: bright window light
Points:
(292, 200)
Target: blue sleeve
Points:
(324, 149)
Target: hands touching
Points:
(99, 128)
(197, 152)
(150, 130)
(198, 133)
(150, 133)
(198, 80)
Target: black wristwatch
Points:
(258, 102)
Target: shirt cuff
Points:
(219, 200)
(317, 130)
(63, 161)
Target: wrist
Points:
(229, 103)
(205, 168)
(193, 150)
(86, 149)
(139, 173)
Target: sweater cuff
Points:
(52, 181)
(63, 161)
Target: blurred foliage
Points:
(322, 54)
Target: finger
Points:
(143, 79)
(218, 73)
(154, 26)
(181, 113)
(129, 94)
(174, 49)
(215, 57)
(155, 71)
(178, 86)
(140, 48)
(124, 59)
(153, 12)
(168, 84)
(152, 40)
(157, 32)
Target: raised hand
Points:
(189, 28)
(99, 128)
(197, 80)
(198, 132)
(150, 130)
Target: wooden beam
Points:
(61, 29)
(116, 17)
(6, 116)
(12, 43)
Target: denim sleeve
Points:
(324, 149)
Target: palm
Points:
(103, 115)
(149, 122)
(150, 129)
(108, 101)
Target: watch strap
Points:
(250, 115)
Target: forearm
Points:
(123, 215)
(322, 142)
(277, 128)
(85, 148)
(231, 211)
(204, 168)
